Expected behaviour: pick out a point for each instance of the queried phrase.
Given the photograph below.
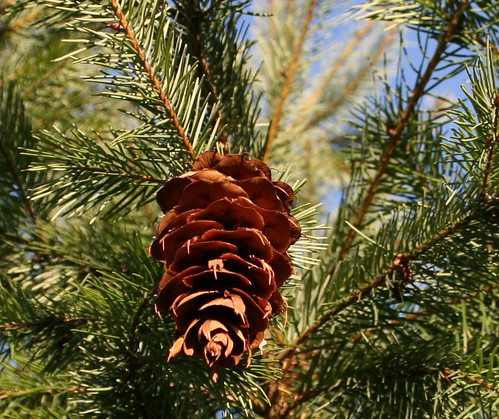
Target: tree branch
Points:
(290, 409)
(319, 91)
(288, 357)
(152, 76)
(347, 52)
(290, 75)
(380, 279)
(16, 25)
(396, 133)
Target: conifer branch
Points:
(15, 26)
(40, 82)
(414, 316)
(152, 76)
(290, 75)
(376, 282)
(486, 44)
(190, 59)
(290, 409)
(25, 21)
(288, 357)
(396, 133)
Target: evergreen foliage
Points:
(393, 310)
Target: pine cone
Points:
(223, 239)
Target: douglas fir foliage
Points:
(388, 310)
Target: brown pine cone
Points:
(223, 239)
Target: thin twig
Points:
(396, 133)
(290, 75)
(16, 25)
(152, 76)
(26, 20)
(288, 357)
(486, 44)
(44, 79)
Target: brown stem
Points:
(290, 75)
(152, 76)
(16, 25)
(43, 80)
(289, 356)
(25, 21)
(396, 133)
(486, 44)
(347, 52)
